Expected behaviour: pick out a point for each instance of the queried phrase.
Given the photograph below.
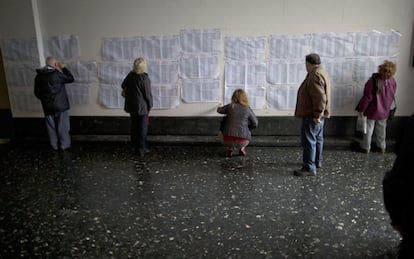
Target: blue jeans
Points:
(312, 143)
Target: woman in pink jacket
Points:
(375, 104)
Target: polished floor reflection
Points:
(101, 201)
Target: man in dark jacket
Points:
(50, 90)
(399, 192)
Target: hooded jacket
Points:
(138, 96)
(50, 88)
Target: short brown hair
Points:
(387, 69)
(240, 96)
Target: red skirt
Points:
(234, 139)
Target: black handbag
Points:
(392, 113)
(392, 110)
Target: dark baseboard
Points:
(22, 128)
(6, 124)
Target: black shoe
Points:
(363, 150)
(139, 151)
(302, 172)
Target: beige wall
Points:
(93, 19)
(16, 19)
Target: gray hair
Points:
(140, 66)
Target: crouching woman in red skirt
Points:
(237, 123)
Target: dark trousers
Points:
(139, 130)
(406, 250)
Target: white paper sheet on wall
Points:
(282, 97)
(23, 100)
(365, 66)
(257, 97)
(85, 72)
(245, 74)
(159, 47)
(201, 41)
(165, 96)
(200, 61)
(340, 70)
(289, 46)
(333, 44)
(284, 77)
(377, 43)
(120, 48)
(20, 74)
(199, 66)
(78, 94)
(249, 76)
(20, 50)
(110, 96)
(149, 47)
(358, 92)
(163, 72)
(245, 48)
(112, 73)
(62, 46)
(201, 90)
(342, 98)
(285, 71)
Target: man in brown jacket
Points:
(313, 105)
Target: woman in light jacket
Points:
(375, 104)
(239, 120)
(136, 88)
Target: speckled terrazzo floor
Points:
(99, 201)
